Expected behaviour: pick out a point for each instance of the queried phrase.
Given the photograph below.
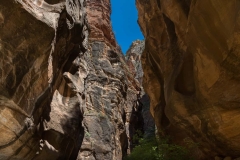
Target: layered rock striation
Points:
(65, 89)
(191, 71)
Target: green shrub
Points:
(150, 149)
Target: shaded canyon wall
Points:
(191, 72)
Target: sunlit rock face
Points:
(191, 71)
(98, 15)
(133, 58)
(65, 93)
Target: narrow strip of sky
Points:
(124, 22)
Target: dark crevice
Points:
(124, 143)
(77, 145)
(69, 66)
(171, 30)
(184, 82)
(158, 4)
(53, 1)
(113, 57)
(160, 108)
(42, 101)
(185, 5)
(165, 122)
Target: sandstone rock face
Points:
(65, 89)
(98, 15)
(142, 119)
(191, 71)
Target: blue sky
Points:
(124, 22)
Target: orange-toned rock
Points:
(191, 71)
(98, 16)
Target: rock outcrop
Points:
(65, 89)
(133, 59)
(191, 72)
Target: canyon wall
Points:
(65, 89)
(191, 72)
(133, 60)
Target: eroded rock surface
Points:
(65, 89)
(142, 121)
(133, 58)
(191, 71)
(98, 15)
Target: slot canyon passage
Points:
(68, 92)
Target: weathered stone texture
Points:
(191, 71)
(142, 120)
(133, 58)
(65, 90)
(98, 15)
